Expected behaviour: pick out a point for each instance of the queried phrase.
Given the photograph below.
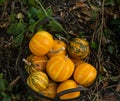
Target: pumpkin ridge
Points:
(51, 67)
(35, 47)
(84, 81)
(49, 36)
(30, 82)
(81, 72)
(56, 76)
(36, 86)
(67, 73)
(41, 78)
(90, 73)
(43, 86)
(40, 44)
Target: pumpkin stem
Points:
(56, 51)
(26, 62)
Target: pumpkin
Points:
(41, 43)
(35, 63)
(60, 68)
(38, 81)
(51, 90)
(66, 85)
(78, 48)
(85, 74)
(59, 48)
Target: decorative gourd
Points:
(51, 90)
(59, 48)
(60, 68)
(41, 43)
(38, 81)
(78, 48)
(68, 84)
(85, 74)
(35, 63)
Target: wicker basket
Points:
(37, 96)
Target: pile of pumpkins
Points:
(55, 66)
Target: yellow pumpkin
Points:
(38, 81)
(51, 90)
(78, 48)
(60, 68)
(41, 43)
(85, 74)
(66, 85)
(59, 48)
(35, 63)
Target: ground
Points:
(97, 21)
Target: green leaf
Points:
(2, 1)
(49, 12)
(32, 3)
(32, 13)
(6, 97)
(2, 84)
(81, 34)
(18, 39)
(12, 18)
(40, 28)
(16, 28)
(31, 21)
(53, 26)
(94, 45)
(40, 14)
(1, 75)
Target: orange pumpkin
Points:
(38, 81)
(41, 43)
(59, 48)
(51, 90)
(35, 63)
(85, 74)
(68, 84)
(60, 68)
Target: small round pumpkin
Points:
(60, 68)
(78, 48)
(41, 43)
(51, 90)
(59, 48)
(35, 63)
(66, 85)
(38, 81)
(85, 74)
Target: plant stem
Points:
(51, 18)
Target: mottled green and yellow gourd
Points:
(38, 81)
(78, 48)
